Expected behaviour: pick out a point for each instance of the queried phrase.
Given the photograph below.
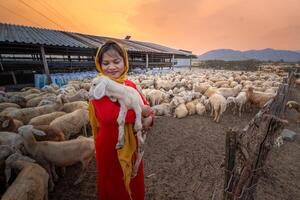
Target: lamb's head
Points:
(98, 87)
(27, 131)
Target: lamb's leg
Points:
(138, 118)
(121, 123)
(84, 130)
(240, 110)
(48, 169)
(141, 142)
(84, 165)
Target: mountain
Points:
(264, 55)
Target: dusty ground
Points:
(183, 158)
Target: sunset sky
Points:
(196, 25)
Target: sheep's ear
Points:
(7, 172)
(99, 90)
(38, 132)
(5, 123)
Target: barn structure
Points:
(25, 51)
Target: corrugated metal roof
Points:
(31, 35)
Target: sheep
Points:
(5, 151)
(210, 91)
(9, 124)
(6, 105)
(176, 101)
(258, 98)
(156, 97)
(227, 92)
(81, 95)
(72, 106)
(128, 98)
(11, 139)
(7, 110)
(294, 105)
(72, 123)
(31, 96)
(21, 101)
(36, 100)
(48, 100)
(50, 154)
(200, 109)
(162, 109)
(45, 119)
(218, 105)
(52, 133)
(181, 111)
(297, 82)
(191, 107)
(31, 182)
(240, 101)
(26, 114)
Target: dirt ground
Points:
(183, 157)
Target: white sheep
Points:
(240, 101)
(72, 106)
(200, 108)
(181, 111)
(128, 98)
(218, 105)
(65, 153)
(162, 109)
(31, 182)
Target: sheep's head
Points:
(5, 122)
(99, 84)
(28, 130)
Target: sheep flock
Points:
(43, 130)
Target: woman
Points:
(115, 166)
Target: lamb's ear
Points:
(99, 90)
(5, 123)
(38, 132)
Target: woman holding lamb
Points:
(114, 166)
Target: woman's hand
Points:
(146, 111)
(146, 122)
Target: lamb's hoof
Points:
(138, 127)
(119, 146)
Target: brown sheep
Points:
(294, 105)
(52, 134)
(9, 124)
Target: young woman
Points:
(115, 166)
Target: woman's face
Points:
(112, 64)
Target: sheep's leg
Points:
(84, 166)
(55, 177)
(212, 111)
(121, 123)
(215, 114)
(48, 169)
(240, 110)
(63, 171)
(84, 130)
(138, 119)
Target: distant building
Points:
(25, 51)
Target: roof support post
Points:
(173, 61)
(190, 63)
(45, 65)
(147, 62)
(14, 77)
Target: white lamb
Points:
(128, 98)
(218, 105)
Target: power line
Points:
(19, 15)
(41, 14)
(55, 12)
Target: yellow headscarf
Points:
(125, 154)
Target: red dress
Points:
(110, 176)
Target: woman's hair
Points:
(108, 46)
